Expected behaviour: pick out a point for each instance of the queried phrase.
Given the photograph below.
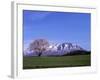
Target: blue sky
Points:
(57, 27)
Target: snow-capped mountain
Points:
(65, 46)
(55, 50)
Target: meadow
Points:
(56, 61)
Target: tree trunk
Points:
(40, 53)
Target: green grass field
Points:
(53, 62)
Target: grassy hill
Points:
(53, 62)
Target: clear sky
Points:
(57, 27)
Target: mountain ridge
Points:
(59, 49)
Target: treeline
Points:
(78, 52)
